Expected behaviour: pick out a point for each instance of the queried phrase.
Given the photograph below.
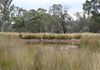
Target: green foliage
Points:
(5, 9)
(85, 29)
(93, 7)
(95, 24)
(55, 20)
(61, 14)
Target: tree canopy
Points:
(54, 20)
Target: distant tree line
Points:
(55, 20)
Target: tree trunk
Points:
(2, 27)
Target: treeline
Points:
(55, 20)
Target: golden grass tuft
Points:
(49, 36)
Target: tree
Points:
(41, 10)
(5, 8)
(82, 22)
(39, 21)
(95, 23)
(18, 19)
(93, 7)
(87, 7)
(61, 14)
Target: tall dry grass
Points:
(90, 41)
(16, 55)
(49, 36)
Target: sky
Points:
(73, 5)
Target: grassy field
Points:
(15, 54)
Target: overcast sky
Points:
(74, 5)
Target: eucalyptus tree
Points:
(93, 7)
(41, 10)
(41, 20)
(5, 8)
(61, 14)
(18, 18)
(82, 22)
